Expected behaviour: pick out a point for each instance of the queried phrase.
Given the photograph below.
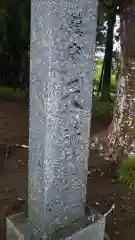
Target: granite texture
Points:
(89, 227)
(63, 37)
(17, 227)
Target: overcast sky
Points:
(117, 25)
(116, 45)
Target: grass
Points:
(10, 91)
(106, 237)
(101, 108)
(126, 172)
(6, 90)
(97, 74)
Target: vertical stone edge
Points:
(18, 227)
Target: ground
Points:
(103, 186)
(13, 171)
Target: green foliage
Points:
(101, 108)
(126, 172)
(105, 7)
(98, 69)
(97, 74)
(106, 237)
(11, 92)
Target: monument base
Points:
(89, 227)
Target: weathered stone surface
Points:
(61, 77)
(90, 226)
(17, 227)
(62, 49)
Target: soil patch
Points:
(13, 171)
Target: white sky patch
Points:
(116, 45)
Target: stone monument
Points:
(63, 35)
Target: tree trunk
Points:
(108, 57)
(121, 135)
(101, 78)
